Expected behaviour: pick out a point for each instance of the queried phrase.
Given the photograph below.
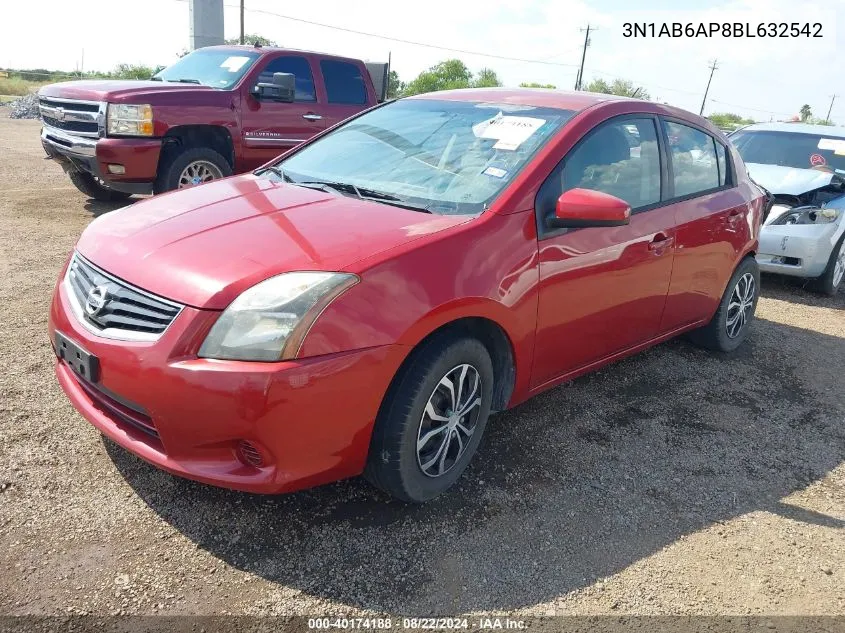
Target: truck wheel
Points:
(432, 419)
(729, 326)
(829, 282)
(91, 187)
(190, 167)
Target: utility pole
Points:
(830, 109)
(579, 79)
(713, 68)
(242, 22)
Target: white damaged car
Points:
(803, 166)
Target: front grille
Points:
(82, 118)
(118, 411)
(113, 307)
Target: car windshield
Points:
(447, 157)
(791, 149)
(210, 67)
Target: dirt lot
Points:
(673, 482)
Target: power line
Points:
(400, 40)
(713, 68)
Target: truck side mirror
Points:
(282, 88)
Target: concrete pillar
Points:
(206, 19)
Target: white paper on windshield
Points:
(509, 132)
(835, 144)
(235, 63)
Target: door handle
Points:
(660, 243)
(311, 117)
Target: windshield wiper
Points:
(363, 193)
(275, 171)
(184, 81)
(155, 79)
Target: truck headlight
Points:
(130, 119)
(269, 321)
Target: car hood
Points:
(115, 90)
(205, 245)
(789, 180)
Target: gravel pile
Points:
(24, 108)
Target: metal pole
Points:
(242, 22)
(713, 68)
(830, 109)
(578, 80)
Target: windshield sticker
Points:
(509, 132)
(235, 63)
(835, 144)
(817, 160)
(496, 172)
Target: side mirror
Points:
(283, 88)
(578, 208)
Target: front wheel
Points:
(94, 187)
(832, 277)
(729, 327)
(190, 167)
(431, 422)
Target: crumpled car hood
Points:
(789, 180)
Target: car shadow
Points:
(99, 207)
(572, 486)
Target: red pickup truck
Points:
(217, 111)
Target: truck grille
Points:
(113, 308)
(82, 118)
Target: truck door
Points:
(347, 87)
(271, 128)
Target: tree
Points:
(395, 86)
(819, 121)
(728, 120)
(487, 78)
(621, 87)
(251, 38)
(805, 112)
(132, 71)
(446, 75)
(534, 84)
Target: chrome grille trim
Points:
(73, 116)
(130, 314)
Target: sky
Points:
(761, 78)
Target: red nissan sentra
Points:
(364, 303)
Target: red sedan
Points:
(362, 304)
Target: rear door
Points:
(346, 90)
(713, 220)
(603, 290)
(270, 128)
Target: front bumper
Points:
(93, 155)
(799, 250)
(311, 419)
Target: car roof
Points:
(277, 49)
(797, 128)
(536, 97)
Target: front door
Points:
(603, 290)
(271, 128)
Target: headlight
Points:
(269, 321)
(808, 215)
(130, 120)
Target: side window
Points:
(299, 68)
(694, 162)
(721, 158)
(344, 83)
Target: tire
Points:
(831, 279)
(174, 168)
(394, 464)
(88, 185)
(723, 333)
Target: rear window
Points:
(791, 149)
(344, 83)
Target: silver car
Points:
(803, 166)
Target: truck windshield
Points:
(447, 157)
(791, 149)
(210, 67)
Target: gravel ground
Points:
(674, 482)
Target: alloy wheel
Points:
(839, 265)
(740, 305)
(449, 420)
(198, 172)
